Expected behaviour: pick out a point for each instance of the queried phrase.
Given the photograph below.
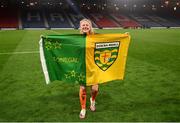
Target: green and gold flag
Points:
(84, 59)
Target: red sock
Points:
(94, 94)
(82, 97)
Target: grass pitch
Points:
(149, 92)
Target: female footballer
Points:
(86, 28)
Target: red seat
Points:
(125, 21)
(8, 18)
(103, 21)
(127, 24)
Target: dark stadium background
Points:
(150, 89)
(48, 14)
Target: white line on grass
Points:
(14, 53)
(55, 32)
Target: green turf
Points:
(149, 92)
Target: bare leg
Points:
(82, 97)
(94, 91)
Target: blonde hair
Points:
(90, 23)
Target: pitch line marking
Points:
(14, 53)
(55, 32)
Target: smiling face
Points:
(85, 27)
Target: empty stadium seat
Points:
(57, 19)
(32, 19)
(7, 19)
(145, 21)
(125, 21)
(103, 21)
(164, 21)
(75, 18)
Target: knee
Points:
(83, 90)
(95, 87)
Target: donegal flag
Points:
(84, 59)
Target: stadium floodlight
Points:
(166, 2)
(73, 5)
(31, 4)
(117, 8)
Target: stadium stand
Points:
(103, 21)
(177, 16)
(124, 21)
(33, 19)
(7, 19)
(58, 19)
(161, 20)
(143, 20)
(171, 21)
(75, 18)
(103, 14)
